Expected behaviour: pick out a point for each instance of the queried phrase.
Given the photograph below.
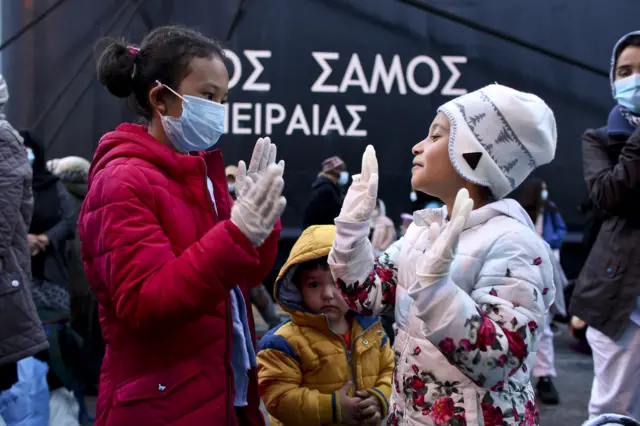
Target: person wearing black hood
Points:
(607, 293)
(52, 226)
(326, 197)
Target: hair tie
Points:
(134, 51)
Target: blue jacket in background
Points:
(554, 229)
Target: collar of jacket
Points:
(304, 318)
(504, 207)
(133, 141)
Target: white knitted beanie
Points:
(498, 136)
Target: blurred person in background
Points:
(73, 172)
(52, 227)
(326, 197)
(22, 398)
(231, 171)
(382, 235)
(407, 220)
(383, 231)
(534, 198)
(607, 293)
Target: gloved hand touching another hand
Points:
(361, 197)
(260, 204)
(443, 243)
(264, 155)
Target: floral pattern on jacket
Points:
(469, 339)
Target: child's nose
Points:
(417, 148)
(327, 293)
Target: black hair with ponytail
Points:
(165, 55)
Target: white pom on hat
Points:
(498, 136)
(4, 91)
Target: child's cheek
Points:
(341, 302)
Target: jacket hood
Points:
(133, 141)
(504, 207)
(315, 242)
(70, 169)
(614, 55)
(73, 172)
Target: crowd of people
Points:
(136, 272)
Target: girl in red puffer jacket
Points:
(169, 256)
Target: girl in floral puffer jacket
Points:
(471, 288)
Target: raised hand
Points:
(435, 263)
(264, 155)
(361, 197)
(260, 205)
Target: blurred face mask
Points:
(413, 196)
(628, 93)
(232, 187)
(30, 156)
(344, 178)
(544, 195)
(198, 128)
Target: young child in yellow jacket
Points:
(328, 365)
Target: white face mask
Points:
(413, 196)
(544, 195)
(344, 178)
(198, 128)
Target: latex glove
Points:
(264, 155)
(361, 197)
(443, 243)
(256, 212)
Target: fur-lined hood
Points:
(70, 169)
(73, 171)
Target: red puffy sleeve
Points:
(126, 250)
